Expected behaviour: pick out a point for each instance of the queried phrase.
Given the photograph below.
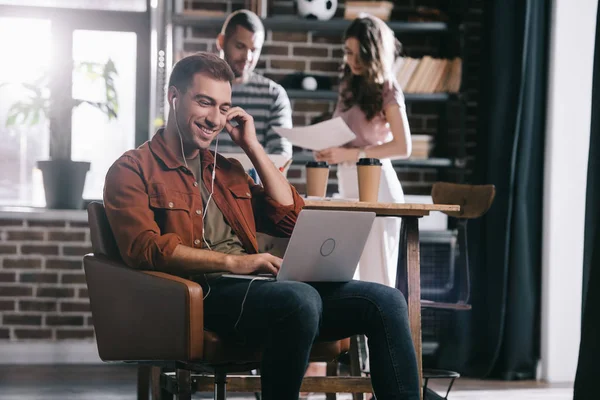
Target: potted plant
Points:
(63, 178)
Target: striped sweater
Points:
(269, 105)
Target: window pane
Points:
(25, 49)
(95, 137)
(111, 5)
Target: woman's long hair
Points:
(378, 51)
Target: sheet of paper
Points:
(278, 159)
(330, 133)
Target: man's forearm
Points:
(187, 260)
(275, 184)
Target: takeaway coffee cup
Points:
(317, 174)
(369, 174)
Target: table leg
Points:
(408, 280)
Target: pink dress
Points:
(379, 260)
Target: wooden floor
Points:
(117, 382)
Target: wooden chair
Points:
(154, 319)
(474, 202)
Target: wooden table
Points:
(409, 273)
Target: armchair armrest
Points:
(144, 315)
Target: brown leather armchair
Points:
(155, 319)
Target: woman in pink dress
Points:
(371, 103)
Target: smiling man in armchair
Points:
(174, 206)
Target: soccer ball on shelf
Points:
(317, 9)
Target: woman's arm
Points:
(401, 144)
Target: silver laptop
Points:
(325, 247)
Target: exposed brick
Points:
(7, 305)
(89, 321)
(59, 320)
(19, 319)
(11, 222)
(82, 293)
(8, 249)
(296, 65)
(311, 106)
(8, 277)
(204, 33)
(275, 50)
(37, 305)
(41, 333)
(74, 334)
(289, 37)
(39, 249)
(76, 251)
(38, 277)
(275, 77)
(337, 54)
(61, 236)
(310, 51)
(294, 173)
(14, 291)
(24, 235)
(326, 66)
(298, 120)
(79, 224)
(73, 278)
(54, 224)
(404, 176)
(63, 264)
(71, 306)
(55, 292)
(326, 38)
(4, 333)
(29, 263)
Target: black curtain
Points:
(499, 338)
(589, 350)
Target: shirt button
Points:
(198, 212)
(170, 204)
(197, 242)
(195, 184)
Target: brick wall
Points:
(288, 52)
(43, 294)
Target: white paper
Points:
(278, 159)
(330, 133)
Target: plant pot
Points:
(63, 183)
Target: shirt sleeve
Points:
(392, 94)
(131, 219)
(280, 114)
(272, 217)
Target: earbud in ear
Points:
(174, 102)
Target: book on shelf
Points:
(421, 146)
(429, 75)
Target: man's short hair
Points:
(244, 18)
(199, 63)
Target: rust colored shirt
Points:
(153, 204)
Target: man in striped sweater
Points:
(240, 43)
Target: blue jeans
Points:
(285, 318)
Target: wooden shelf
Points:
(297, 24)
(296, 94)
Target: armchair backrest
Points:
(103, 240)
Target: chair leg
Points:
(332, 370)
(184, 385)
(355, 369)
(143, 382)
(220, 385)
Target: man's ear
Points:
(220, 42)
(172, 94)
